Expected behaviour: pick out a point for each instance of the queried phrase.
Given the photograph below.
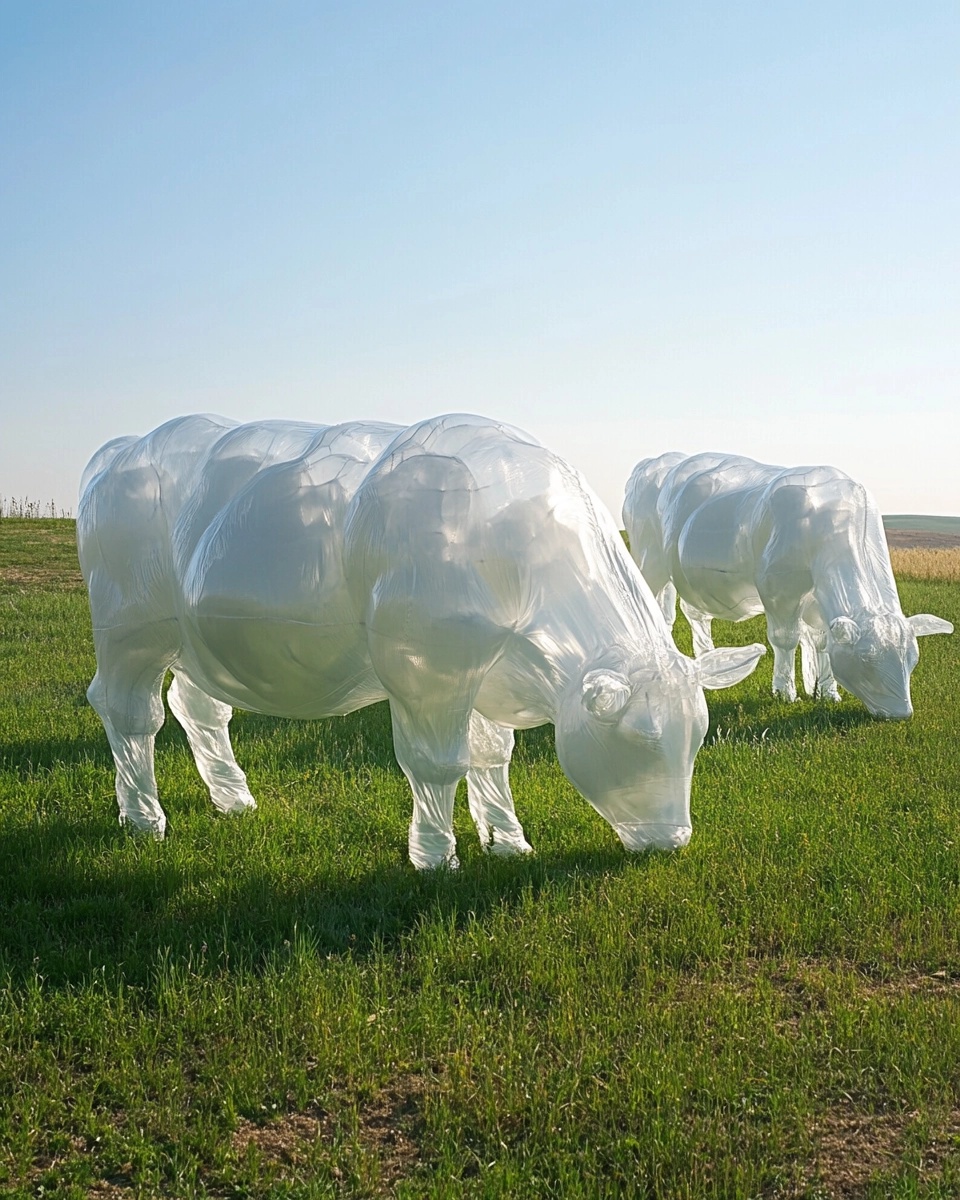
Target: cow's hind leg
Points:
(488, 788)
(701, 624)
(205, 722)
(667, 599)
(126, 694)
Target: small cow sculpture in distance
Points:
(456, 568)
(805, 545)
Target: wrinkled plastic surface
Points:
(456, 568)
(805, 545)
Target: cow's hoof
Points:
(430, 848)
(653, 836)
(443, 864)
(234, 805)
(509, 849)
(144, 827)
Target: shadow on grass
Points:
(82, 900)
(87, 902)
(364, 737)
(26, 756)
(360, 739)
(767, 718)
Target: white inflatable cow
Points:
(456, 568)
(805, 545)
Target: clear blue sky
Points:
(626, 227)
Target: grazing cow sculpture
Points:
(456, 568)
(805, 545)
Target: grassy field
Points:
(947, 525)
(278, 1005)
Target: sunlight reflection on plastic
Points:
(805, 545)
(456, 568)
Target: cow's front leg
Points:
(488, 788)
(433, 752)
(817, 672)
(700, 626)
(205, 721)
(784, 637)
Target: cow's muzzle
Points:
(892, 712)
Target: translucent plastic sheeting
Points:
(804, 545)
(456, 568)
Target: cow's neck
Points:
(578, 626)
(852, 572)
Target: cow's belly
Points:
(714, 569)
(719, 593)
(275, 665)
(266, 618)
(714, 597)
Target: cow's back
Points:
(694, 486)
(709, 512)
(448, 515)
(228, 465)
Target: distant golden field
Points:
(922, 562)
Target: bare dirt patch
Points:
(939, 983)
(284, 1142)
(107, 1190)
(50, 577)
(388, 1125)
(921, 539)
(808, 977)
(852, 1148)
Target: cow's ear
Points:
(845, 631)
(605, 693)
(728, 665)
(924, 623)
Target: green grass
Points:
(922, 524)
(278, 1005)
(39, 550)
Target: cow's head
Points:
(873, 654)
(627, 735)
